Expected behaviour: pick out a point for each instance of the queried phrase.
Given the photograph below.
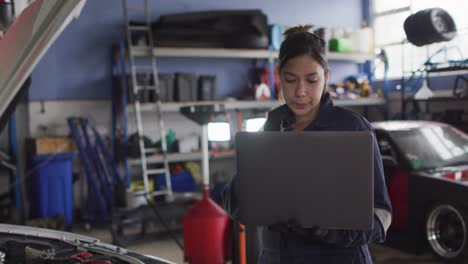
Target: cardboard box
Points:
(47, 145)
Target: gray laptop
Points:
(316, 178)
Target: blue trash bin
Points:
(53, 187)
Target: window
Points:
(432, 147)
(389, 17)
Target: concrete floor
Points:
(167, 249)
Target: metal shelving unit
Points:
(227, 105)
(217, 53)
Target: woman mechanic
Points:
(304, 73)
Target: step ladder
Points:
(143, 67)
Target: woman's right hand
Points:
(293, 226)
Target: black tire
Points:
(429, 26)
(443, 27)
(446, 231)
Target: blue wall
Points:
(78, 65)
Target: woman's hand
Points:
(293, 226)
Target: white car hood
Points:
(28, 39)
(88, 243)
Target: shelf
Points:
(437, 99)
(359, 102)
(243, 105)
(182, 157)
(214, 53)
(218, 53)
(218, 105)
(353, 57)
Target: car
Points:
(426, 171)
(22, 244)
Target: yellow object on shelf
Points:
(138, 185)
(195, 170)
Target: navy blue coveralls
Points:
(336, 246)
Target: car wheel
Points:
(446, 232)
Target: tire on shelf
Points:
(430, 26)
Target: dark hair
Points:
(299, 41)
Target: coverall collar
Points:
(322, 119)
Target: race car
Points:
(426, 171)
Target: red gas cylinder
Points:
(206, 232)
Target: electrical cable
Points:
(164, 223)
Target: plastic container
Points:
(206, 233)
(181, 182)
(276, 36)
(206, 87)
(186, 87)
(53, 189)
(341, 45)
(166, 86)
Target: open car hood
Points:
(23, 244)
(26, 42)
